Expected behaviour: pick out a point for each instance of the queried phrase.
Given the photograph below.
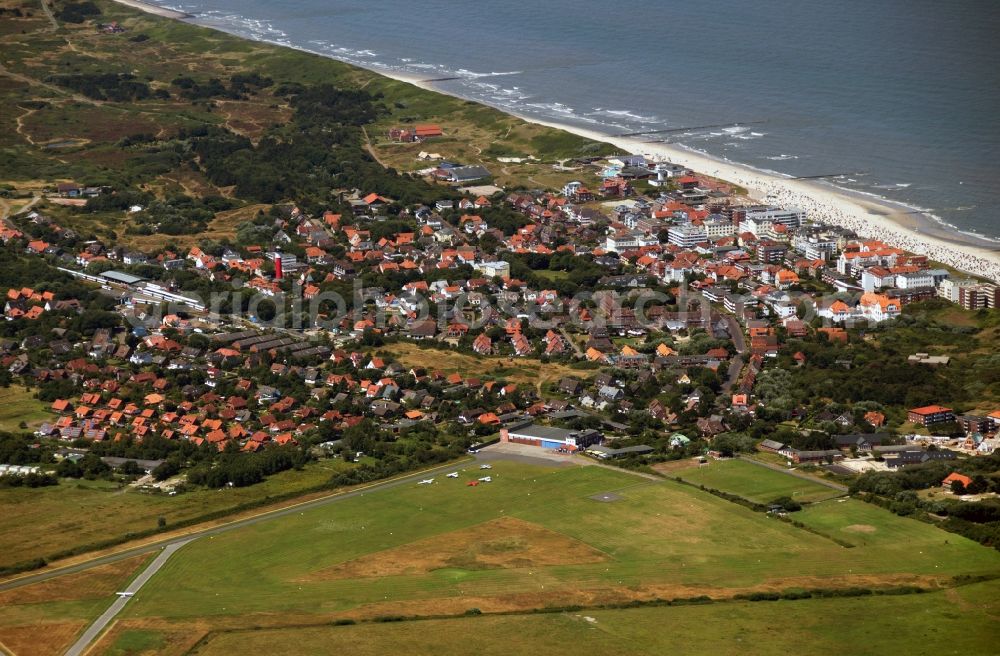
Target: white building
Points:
(815, 246)
(758, 215)
(719, 227)
(914, 280)
(686, 235)
(496, 269)
(626, 241)
(949, 289)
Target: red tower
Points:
(277, 266)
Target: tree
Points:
(788, 504)
(130, 468)
(730, 444)
(166, 469)
(69, 469)
(978, 485)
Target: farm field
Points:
(447, 548)
(754, 482)
(963, 622)
(50, 520)
(44, 618)
(18, 404)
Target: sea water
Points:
(895, 98)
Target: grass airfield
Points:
(535, 538)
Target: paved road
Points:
(735, 370)
(95, 629)
(791, 472)
(737, 363)
(569, 340)
(736, 332)
(216, 530)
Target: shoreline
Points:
(872, 218)
(898, 226)
(156, 10)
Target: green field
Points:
(50, 520)
(18, 404)
(756, 483)
(863, 524)
(961, 621)
(367, 556)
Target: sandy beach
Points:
(896, 226)
(870, 218)
(156, 10)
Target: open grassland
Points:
(44, 618)
(523, 371)
(960, 621)
(17, 405)
(753, 482)
(865, 525)
(658, 540)
(44, 521)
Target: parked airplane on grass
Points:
(486, 466)
(453, 475)
(486, 479)
(426, 481)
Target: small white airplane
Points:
(486, 466)
(125, 594)
(486, 479)
(453, 475)
(426, 481)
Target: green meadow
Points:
(19, 406)
(755, 483)
(656, 540)
(960, 621)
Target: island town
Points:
(736, 291)
(296, 356)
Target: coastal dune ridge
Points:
(893, 223)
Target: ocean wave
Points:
(474, 75)
(626, 114)
(781, 158)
